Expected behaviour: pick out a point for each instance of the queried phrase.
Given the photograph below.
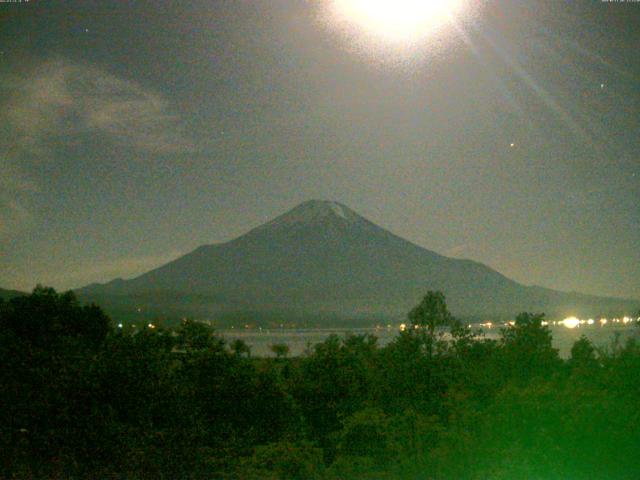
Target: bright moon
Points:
(398, 20)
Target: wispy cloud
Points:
(14, 216)
(14, 186)
(60, 103)
(61, 99)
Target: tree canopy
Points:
(431, 312)
(83, 401)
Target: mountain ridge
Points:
(323, 257)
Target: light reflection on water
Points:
(602, 334)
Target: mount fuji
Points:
(322, 258)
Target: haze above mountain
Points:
(320, 258)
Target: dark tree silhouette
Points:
(197, 336)
(45, 317)
(280, 350)
(240, 348)
(583, 353)
(431, 312)
(527, 346)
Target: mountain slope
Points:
(322, 257)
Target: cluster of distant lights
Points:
(133, 325)
(574, 322)
(569, 322)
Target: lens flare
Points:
(398, 20)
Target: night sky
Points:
(133, 132)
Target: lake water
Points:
(299, 340)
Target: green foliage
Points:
(80, 401)
(195, 336)
(280, 350)
(333, 382)
(366, 433)
(583, 355)
(283, 461)
(431, 312)
(240, 348)
(527, 350)
(46, 317)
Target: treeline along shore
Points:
(81, 398)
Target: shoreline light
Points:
(571, 322)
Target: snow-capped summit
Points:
(312, 211)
